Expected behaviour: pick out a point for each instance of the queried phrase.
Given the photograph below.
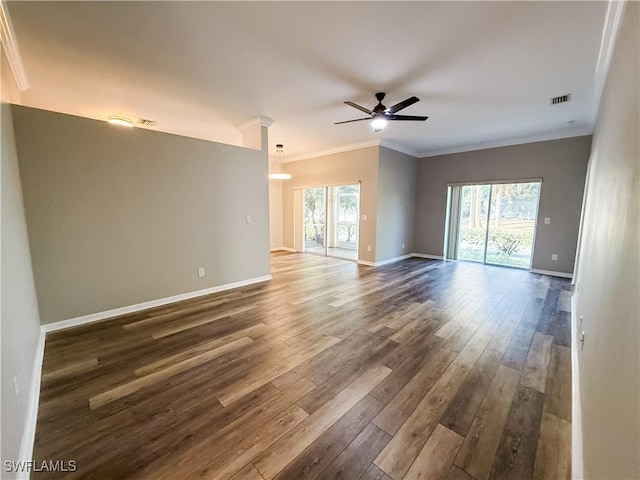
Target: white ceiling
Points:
(484, 71)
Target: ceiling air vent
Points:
(561, 99)
(146, 122)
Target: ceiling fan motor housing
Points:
(380, 108)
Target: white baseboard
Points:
(29, 432)
(383, 262)
(552, 273)
(392, 260)
(368, 264)
(397, 259)
(286, 249)
(426, 255)
(577, 466)
(96, 317)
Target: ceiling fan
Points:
(381, 114)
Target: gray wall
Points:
(396, 204)
(562, 166)
(121, 216)
(608, 270)
(20, 321)
(340, 168)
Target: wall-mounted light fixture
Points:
(120, 121)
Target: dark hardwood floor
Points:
(420, 369)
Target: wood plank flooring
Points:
(417, 370)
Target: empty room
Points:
(320, 240)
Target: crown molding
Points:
(10, 45)
(332, 151)
(587, 130)
(354, 146)
(398, 148)
(577, 132)
(254, 122)
(615, 11)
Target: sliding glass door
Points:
(493, 223)
(315, 220)
(474, 209)
(514, 209)
(344, 221)
(331, 220)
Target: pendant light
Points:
(275, 166)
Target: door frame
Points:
(452, 217)
(298, 220)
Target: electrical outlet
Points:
(201, 272)
(368, 248)
(16, 388)
(403, 246)
(547, 220)
(554, 257)
(247, 219)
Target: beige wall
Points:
(20, 320)
(608, 287)
(341, 168)
(275, 214)
(396, 204)
(120, 216)
(562, 166)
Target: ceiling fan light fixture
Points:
(120, 121)
(380, 114)
(378, 123)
